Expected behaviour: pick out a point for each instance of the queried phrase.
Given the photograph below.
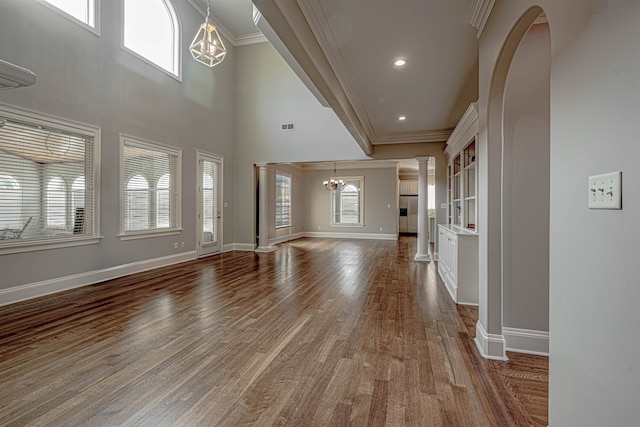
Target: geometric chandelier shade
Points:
(207, 46)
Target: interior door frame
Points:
(200, 156)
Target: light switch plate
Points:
(605, 191)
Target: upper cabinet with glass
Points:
(462, 179)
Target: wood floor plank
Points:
(321, 332)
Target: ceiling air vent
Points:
(286, 126)
(13, 76)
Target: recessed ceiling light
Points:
(399, 62)
(401, 118)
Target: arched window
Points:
(163, 210)
(136, 209)
(57, 203)
(10, 203)
(347, 206)
(151, 30)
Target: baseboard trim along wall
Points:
(338, 235)
(526, 341)
(46, 287)
(288, 237)
(491, 346)
(249, 247)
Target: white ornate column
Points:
(422, 253)
(263, 215)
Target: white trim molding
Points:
(465, 130)
(286, 238)
(246, 39)
(479, 14)
(337, 235)
(51, 286)
(491, 346)
(526, 341)
(245, 247)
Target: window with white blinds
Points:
(150, 188)
(283, 200)
(347, 207)
(47, 179)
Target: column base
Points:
(422, 258)
(264, 249)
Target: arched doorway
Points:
(496, 143)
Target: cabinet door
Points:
(453, 257)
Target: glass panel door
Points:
(209, 210)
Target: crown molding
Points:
(441, 135)
(465, 130)
(253, 38)
(294, 31)
(479, 14)
(321, 29)
(354, 164)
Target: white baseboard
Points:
(336, 235)
(286, 238)
(249, 247)
(491, 346)
(51, 286)
(526, 341)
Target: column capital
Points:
(262, 165)
(423, 159)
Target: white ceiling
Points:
(344, 51)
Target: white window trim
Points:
(278, 227)
(30, 116)
(150, 145)
(361, 223)
(177, 47)
(96, 29)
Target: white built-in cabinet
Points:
(458, 263)
(458, 239)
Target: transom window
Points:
(150, 188)
(81, 11)
(151, 31)
(346, 204)
(47, 181)
(283, 200)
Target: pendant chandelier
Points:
(334, 183)
(207, 47)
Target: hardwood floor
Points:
(321, 332)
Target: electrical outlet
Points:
(175, 245)
(380, 228)
(605, 191)
(182, 244)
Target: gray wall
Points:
(594, 290)
(380, 191)
(595, 255)
(92, 80)
(269, 94)
(526, 185)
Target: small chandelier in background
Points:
(334, 183)
(207, 46)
